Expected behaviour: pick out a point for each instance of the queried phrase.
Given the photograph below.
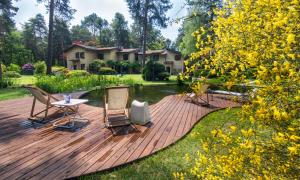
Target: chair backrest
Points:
(203, 89)
(38, 94)
(117, 97)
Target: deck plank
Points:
(48, 153)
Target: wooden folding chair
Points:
(44, 98)
(116, 106)
(198, 94)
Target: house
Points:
(80, 56)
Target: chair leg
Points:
(33, 106)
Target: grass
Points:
(164, 163)
(139, 80)
(12, 93)
(25, 80)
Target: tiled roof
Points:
(128, 50)
(92, 48)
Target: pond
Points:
(150, 94)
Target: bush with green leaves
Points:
(153, 71)
(60, 70)
(3, 67)
(40, 68)
(107, 71)
(14, 67)
(12, 74)
(95, 66)
(6, 82)
(61, 84)
(163, 76)
(134, 68)
(78, 73)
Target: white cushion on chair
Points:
(140, 112)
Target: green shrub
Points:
(12, 74)
(95, 66)
(77, 73)
(60, 70)
(134, 68)
(163, 76)
(6, 82)
(3, 67)
(153, 70)
(60, 84)
(107, 71)
(40, 68)
(14, 67)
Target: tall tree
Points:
(146, 12)
(58, 8)
(200, 14)
(7, 11)
(106, 37)
(91, 23)
(35, 36)
(79, 33)
(62, 39)
(120, 30)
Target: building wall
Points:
(175, 68)
(89, 56)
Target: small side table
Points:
(74, 104)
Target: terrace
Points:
(46, 152)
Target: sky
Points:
(106, 9)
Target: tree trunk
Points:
(50, 37)
(145, 22)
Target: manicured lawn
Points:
(173, 159)
(25, 80)
(12, 93)
(139, 80)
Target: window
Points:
(100, 56)
(82, 66)
(82, 55)
(77, 55)
(136, 57)
(155, 57)
(125, 57)
(74, 67)
(177, 57)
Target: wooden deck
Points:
(49, 153)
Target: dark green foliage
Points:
(61, 40)
(134, 68)
(120, 31)
(153, 70)
(7, 12)
(14, 67)
(6, 82)
(78, 73)
(79, 33)
(107, 71)
(163, 76)
(35, 36)
(12, 74)
(95, 66)
(179, 81)
(40, 68)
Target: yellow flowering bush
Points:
(261, 37)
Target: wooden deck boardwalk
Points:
(49, 153)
